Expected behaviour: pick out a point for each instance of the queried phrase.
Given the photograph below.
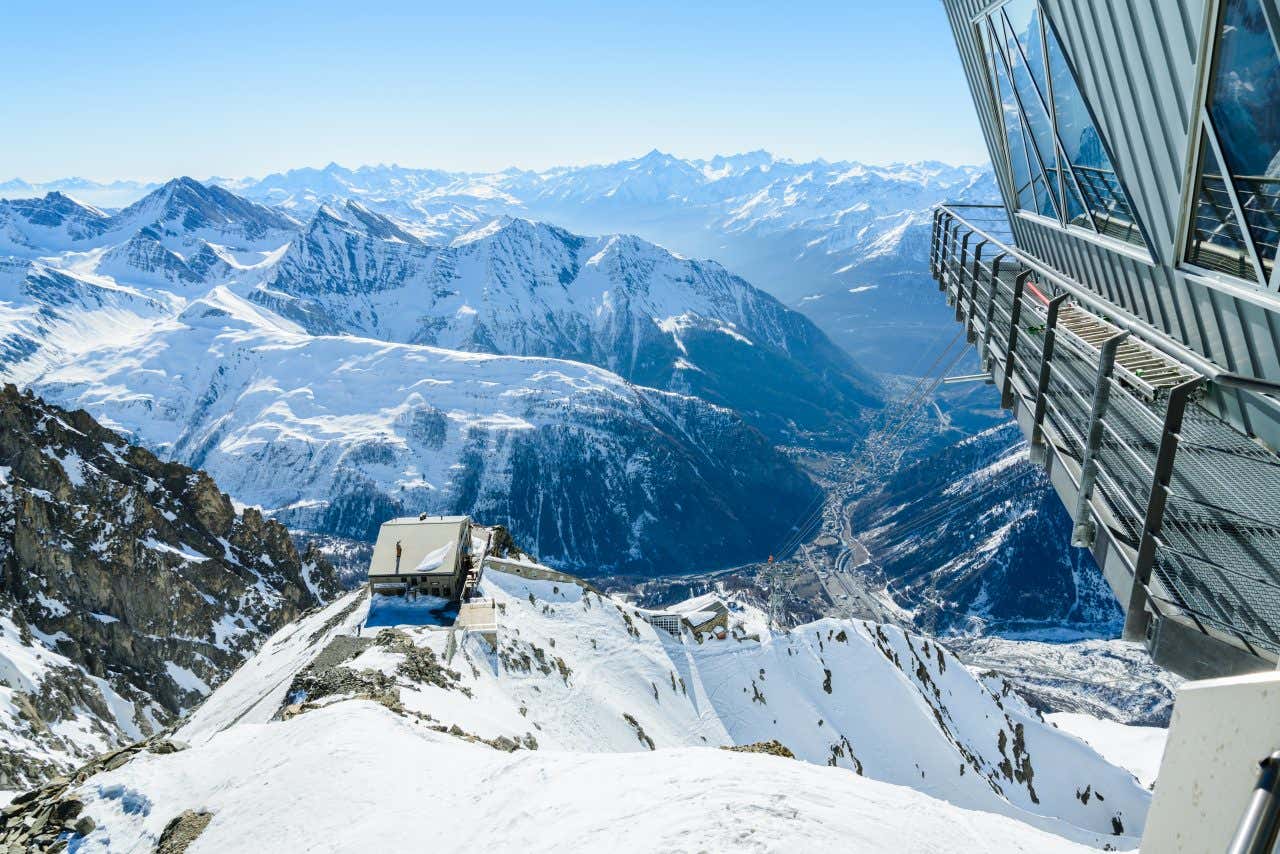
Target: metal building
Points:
(1126, 296)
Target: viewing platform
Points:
(1179, 506)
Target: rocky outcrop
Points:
(129, 586)
(49, 818)
(181, 831)
(773, 747)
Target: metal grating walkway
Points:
(1186, 504)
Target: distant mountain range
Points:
(602, 397)
(794, 228)
(843, 242)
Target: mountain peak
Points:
(655, 156)
(352, 216)
(186, 205)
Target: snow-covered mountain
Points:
(798, 230)
(171, 321)
(184, 213)
(333, 738)
(846, 243)
(106, 194)
(793, 228)
(521, 288)
(129, 588)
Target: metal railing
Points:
(1190, 503)
(1217, 241)
(1259, 828)
(1105, 199)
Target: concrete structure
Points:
(479, 616)
(427, 555)
(1125, 298)
(704, 614)
(537, 572)
(1221, 729)
(701, 615)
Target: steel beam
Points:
(1136, 617)
(933, 243)
(948, 252)
(984, 351)
(970, 334)
(1085, 532)
(1015, 316)
(954, 298)
(1042, 381)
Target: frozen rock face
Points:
(55, 221)
(129, 588)
(184, 209)
(528, 289)
(147, 258)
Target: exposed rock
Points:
(641, 735)
(773, 747)
(39, 819)
(118, 566)
(179, 833)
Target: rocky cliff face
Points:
(129, 587)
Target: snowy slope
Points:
(575, 673)
(1137, 748)
(338, 433)
(586, 727)
(370, 780)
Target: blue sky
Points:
(151, 90)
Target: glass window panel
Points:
(1244, 105)
(1216, 242)
(1100, 188)
(1033, 111)
(1075, 206)
(1020, 170)
(1043, 206)
(1027, 24)
(1024, 18)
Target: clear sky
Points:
(151, 90)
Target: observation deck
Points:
(1180, 508)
